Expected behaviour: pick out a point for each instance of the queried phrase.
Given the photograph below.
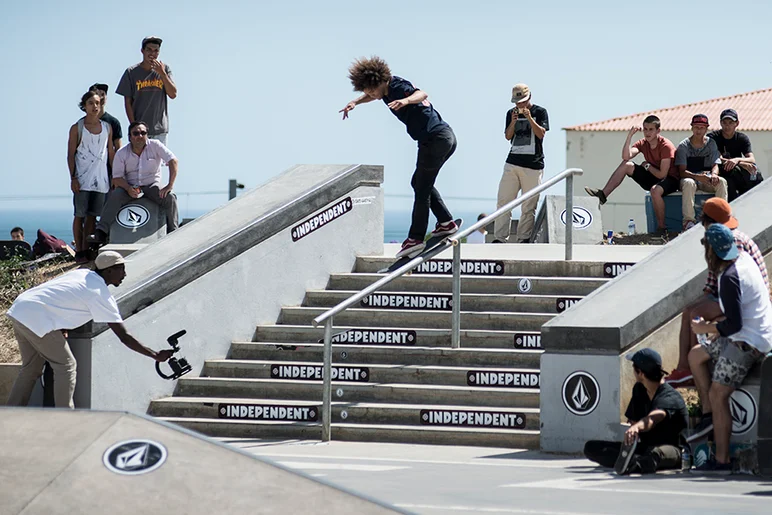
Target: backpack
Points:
(47, 244)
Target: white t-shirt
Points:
(475, 237)
(67, 302)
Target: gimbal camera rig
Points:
(180, 366)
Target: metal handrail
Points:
(327, 316)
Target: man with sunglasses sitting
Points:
(137, 172)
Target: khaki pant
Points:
(514, 180)
(689, 187)
(35, 351)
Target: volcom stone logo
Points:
(742, 407)
(468, 267)
(268, 412)
(374, 336)
(582, 218)
(133, 457)
(524, 285)
(408, 301)
(563, 303)
(612, 270)
(319, 220)
(132, 216)
(581, 393)
(527, 341)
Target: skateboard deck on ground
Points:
(431, 244)
(625, 456)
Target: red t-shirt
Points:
(654, 156)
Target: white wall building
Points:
(597, 148)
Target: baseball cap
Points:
(729, 113)
(107, 259)
(100, 87)
(700, 118)
(718, 209)
(721, 240)
(152, 39)
(520, 93)
(647, 360)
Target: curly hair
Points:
(88, 94)
(368, 73)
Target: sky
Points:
(260, 84)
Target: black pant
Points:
(650, 459)
(432, 154)
(738, 181)
(119, 197)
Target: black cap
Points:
(729, 113)
(100, 87)
(647, 360)
(152, 39)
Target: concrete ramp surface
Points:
(66, 462)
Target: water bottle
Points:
(702, 338)
(686, 458)
(631, 227)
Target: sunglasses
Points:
(138, 133)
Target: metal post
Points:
(455, 336)
(232, 184)
(569, 216)
(327, 380)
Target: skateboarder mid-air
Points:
(436, 143)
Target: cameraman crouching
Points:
(42, 314)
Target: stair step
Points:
(396, 393)
(386, 354)
(350, 413)
(481, 437)
(469, 301)
(566, 286)
(350, 336)
(500, 377)
(415, 318)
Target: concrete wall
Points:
(227, 301)
(599, 153)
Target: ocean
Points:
(58, 222)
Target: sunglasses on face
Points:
(138, 133)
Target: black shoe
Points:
(98, 238)
(713, 468)
(622, 466)
(596, 193)
(498, 241)
(81, 257)
(704, 429)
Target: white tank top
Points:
(91, 160)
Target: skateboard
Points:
(625, 456)
(431, 244)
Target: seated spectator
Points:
(697, 160)
(137, 172)
(738, 165)
(739, 340)
(89, 149)
(657, 414)
(115, 125)
(714, 211)
(656, 174)
(479, 235)
(17, 234)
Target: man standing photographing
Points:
(436, 143)
(145, 88)
(41, 315)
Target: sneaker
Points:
(704, 429)
(680, 378)
(596, 193)
(411, 248)
(81, 257)
(99, 237)
(713, 468)
(622, 465)
(689, 224)
(497, 240)
(445, 229)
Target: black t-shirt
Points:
(114, 124)
(666, 399)
(738, 146)
(526, 149)
(421, 120)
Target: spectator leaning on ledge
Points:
(17, 234)
(738, 165)
(656, 174)
(137, 172)
(525, 127)
(41, 316)
(145, 87)
(697, 159)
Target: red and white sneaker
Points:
(411, 248)
(680, 378)
(445, 229)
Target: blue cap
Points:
(721, 240)
(647, 360)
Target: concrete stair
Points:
(395, 376)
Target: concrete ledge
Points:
(124, 249)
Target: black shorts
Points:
(647, 181)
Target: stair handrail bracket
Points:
(454, 242)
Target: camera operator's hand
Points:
(163, 355)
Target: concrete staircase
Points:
(395, 377)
